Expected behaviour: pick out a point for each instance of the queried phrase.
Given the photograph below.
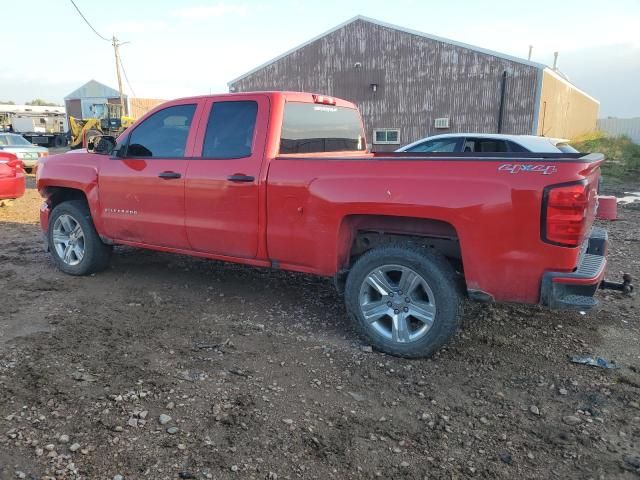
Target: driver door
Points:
(142, 190)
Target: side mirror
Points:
(101, 144)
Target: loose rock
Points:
(571, 420)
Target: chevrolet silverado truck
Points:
(283, 180)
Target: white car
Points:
(23, 149)
(489, 143)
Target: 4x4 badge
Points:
(518, 167)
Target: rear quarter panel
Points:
(495, 213)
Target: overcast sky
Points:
(189, 47)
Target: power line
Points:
(126, 78)
(87, 22)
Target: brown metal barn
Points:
(410, 84)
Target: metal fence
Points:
(621, 126)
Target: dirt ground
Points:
(257, 374)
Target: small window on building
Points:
(386, 136)
(441, 122)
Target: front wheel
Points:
(73, 241)
(406, 301)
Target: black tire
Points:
(59, 141)
(442, 282)
(96, 254)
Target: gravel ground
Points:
(169, 367)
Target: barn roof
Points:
(393, 27)
(94, 89)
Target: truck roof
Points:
(289, 95)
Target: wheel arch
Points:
(56, 194)
(360, 233)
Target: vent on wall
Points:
(442, 122)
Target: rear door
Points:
(142, 192)
(223, 180)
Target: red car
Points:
(12, 178)
(282, 180)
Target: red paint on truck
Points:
(276, 205)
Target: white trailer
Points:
(46, 126)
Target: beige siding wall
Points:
(139, 106)
(565, 111)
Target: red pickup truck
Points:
(283, 180)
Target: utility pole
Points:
(116, 45)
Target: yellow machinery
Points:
(108, 120)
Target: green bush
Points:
(622, 155)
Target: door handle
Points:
(169, 175)
(240, 178)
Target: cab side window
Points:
(163, 134)
(230, 130)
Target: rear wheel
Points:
(59, 141)
(406, 301)
(73, 241)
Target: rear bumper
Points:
(575, 290)
(44, 224)
(44, 217)
(12, 187)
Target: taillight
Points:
(14, 163)
(43, 154)
(565, 213)
(324, 100)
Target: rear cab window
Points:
(317, 128)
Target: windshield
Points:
(311, 128)
(15, 140)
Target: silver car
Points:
(488, 143)
(23, 149)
